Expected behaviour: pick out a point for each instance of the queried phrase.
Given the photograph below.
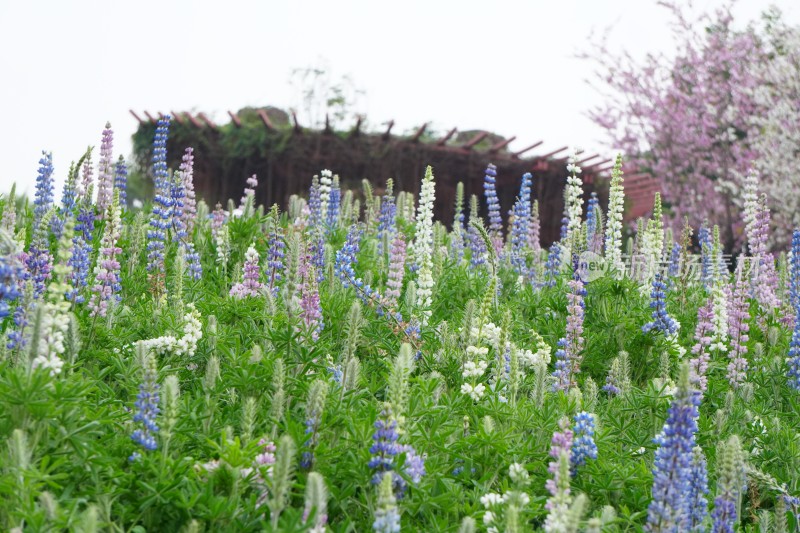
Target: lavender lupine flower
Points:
(86, 189)
(121, 182)
(9, 220)
(738, 329)
(591, 221)
(696, 500)
(386, 219)
(178, 224)
(520, 228)
(706, 249)
(793, 361)
(558, 485)
(310, 307)
(703, 335)
(314, 204)
(161, 216)
(82, 248)
(218, 218)
(414, 465)
(583, 446)
(570, 346)
(672, 470)
(661, 320)
(495, 222)
(147, 409)
(105, 171)
(106, 272)
(186, 173)
(250, 285)
(397, 270)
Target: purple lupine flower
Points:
(672, 470)
(346, 257)
(583, 446)
(107, 275)
(80, 258)
(105, 172)
(414, 466)
(43, 199)
(10, 275)
(334, 202)
(310, 307)
(738, 329)
(674, 269)
(121, 182)
(571, 345)
(698, 365)
(250, 285)
(661, 320)
(696, 500)
(161, 216)
(706, 250)
(38, 261)
(560, 443)
(218, 218)
(611, 385)
(186, 173)
(495, 222)
(178, 224)
(147, 409)
(275, 256)
(477, 247)
(520, 228)
(397, 270)
(793, 361)
(385, 448)
(386, 219)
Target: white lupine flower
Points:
(186, 345)
(472, 369)
(488, 517)
(474, 351)
(423, 246)
(574, 196)
(616, 201)
(325, 181)
(518, 474)
(475, 392)
(491, 499)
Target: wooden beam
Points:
(551, 154)
(196, 123)
(177, 117)
(584, 160)
(297, 127)
(265, 119)
(414, 138)
(357, 128)
(207, 120)
(443, 140)
(139, 120)
(388, 131)
(235, 119)
(531, 147)
(599, 163)
(475, 140)
(502, 144)
(149, 116)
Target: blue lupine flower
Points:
(43, 200)
(696, 502)
(39, 259)
(477, 247)
(386, 221)
(161, 216)
(724, 516)
(275, 256)
(387, 521)
(661, 320)
(121, 182)
(553, 265)
(564, 227)
(10, 274)
(521, 224)
(672, 470)
(346, 257)
(415, 464)
(147, 409)
(385, 447)
(334, 201)
(490, 191)
(793, 361)
(583, 445)
(81, 250)
(674, 269)
(706, 251)
(314, 204)
(591, 221)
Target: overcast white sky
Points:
(66, 67)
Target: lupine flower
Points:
(186, 175)
(696, 500)
(423, 246)
(457, 235)
(218, 218)
(385, 447)
(68, 203)
(414, 465)
(397, 270)
(573, 197)
(9, 220)
(121, 182)
(618, 380)
(616, 201)
(675, 260)
(387, 518)
(250, 286)
(493, 204)
(475, 242)
(738, 329)
(334, 205)
(325, 182)
(82, 248)
(39, 259)
(17, 336)
(10, 275)
(106, 272)
(520, 228)
(43, 199)
(275, 254)
(793, 361)
(161, 216)
(731, 479)
(534, 237)
(314, 204)
(583, 446)
(719, 320)
(147, 408)
(699, 363)
(706, 250)
(386, 219)
(568, 356)
(310, 307)
(559, 502)
(553, 265)
(672, 470)
(105, 171)
(314, 408)
(662, 321)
